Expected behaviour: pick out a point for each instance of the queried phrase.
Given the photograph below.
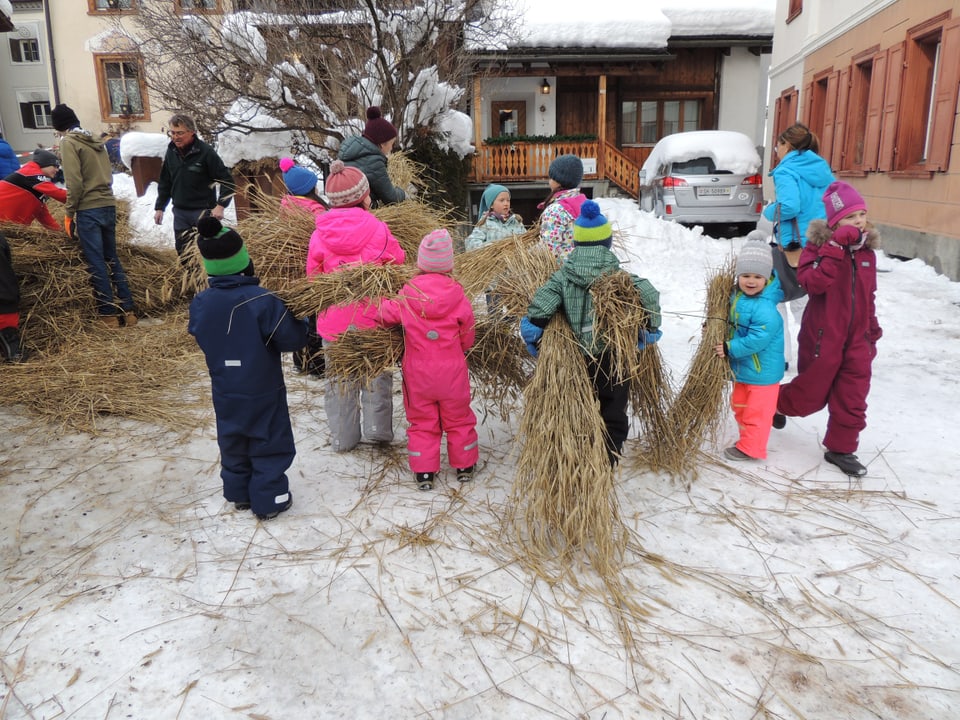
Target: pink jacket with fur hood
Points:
(349, 236)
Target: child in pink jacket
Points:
(349, 234)
(438, 328)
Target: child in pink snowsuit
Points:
(839, 331)
(438, 328)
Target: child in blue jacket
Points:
(242, 329)
(754, 349)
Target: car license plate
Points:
(712, 191)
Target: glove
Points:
(411, 191)
(846, 235)
(648, 337)
(70, 227)
(531, 335)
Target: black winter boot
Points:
(465, 474)
(847, 462)
(10, 344)
(425, 480)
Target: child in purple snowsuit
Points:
(438, 328)
(839, 332)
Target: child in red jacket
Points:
(839, 332)
(438, 328)
(23, 197)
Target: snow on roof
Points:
(731, 151)
(6, 8)
(564, 23)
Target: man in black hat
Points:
(91, 216)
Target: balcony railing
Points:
(530, 162)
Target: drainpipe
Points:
(52, 54)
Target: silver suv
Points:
(704, 176)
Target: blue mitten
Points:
(531, 335)
(648, 337)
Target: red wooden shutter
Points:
(945, 102)
(774, 158)
(871, 134)
(829, 117)
(839, 127)
(891, 103)
(807, 103)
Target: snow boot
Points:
(283, 508)
(465, 474)
(242, 505)
(779, 421)
(130, 318)
(735, 453)
(10, 345)
(847, 462)
(425, 480)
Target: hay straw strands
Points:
(498, 362)
(362, 355)
(309, 296)
(137, 373)
(651, 395)
(698, 410)
(402, 170)
(619, 317)
(410, 220)
(563, 499)
(277, 239)
(55, 289)
(478, 269)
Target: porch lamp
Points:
(545, 87)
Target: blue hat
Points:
(299, 180)
(592, 228)
(489, 195)
(567, 170)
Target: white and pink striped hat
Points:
(436, 252)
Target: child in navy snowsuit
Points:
(242, 329)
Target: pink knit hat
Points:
(345, 186)
(840, 200)
(436, 252)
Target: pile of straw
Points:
(563, 499)
(619, 318)
(136, 373)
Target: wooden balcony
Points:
(530, 162)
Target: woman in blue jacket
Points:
(800, 179)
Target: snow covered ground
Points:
(779, 589)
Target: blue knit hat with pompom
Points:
(592, 228)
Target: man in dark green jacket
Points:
(189, 175)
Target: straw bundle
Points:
(354, 283)
(277, 240)
(402, 170)
(563, 498)
(498, 364)
(137, 373)
(362, 355)
(697, 412)
(410, 220)
(619, 317)
(478, 269)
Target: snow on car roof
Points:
(731, 151)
